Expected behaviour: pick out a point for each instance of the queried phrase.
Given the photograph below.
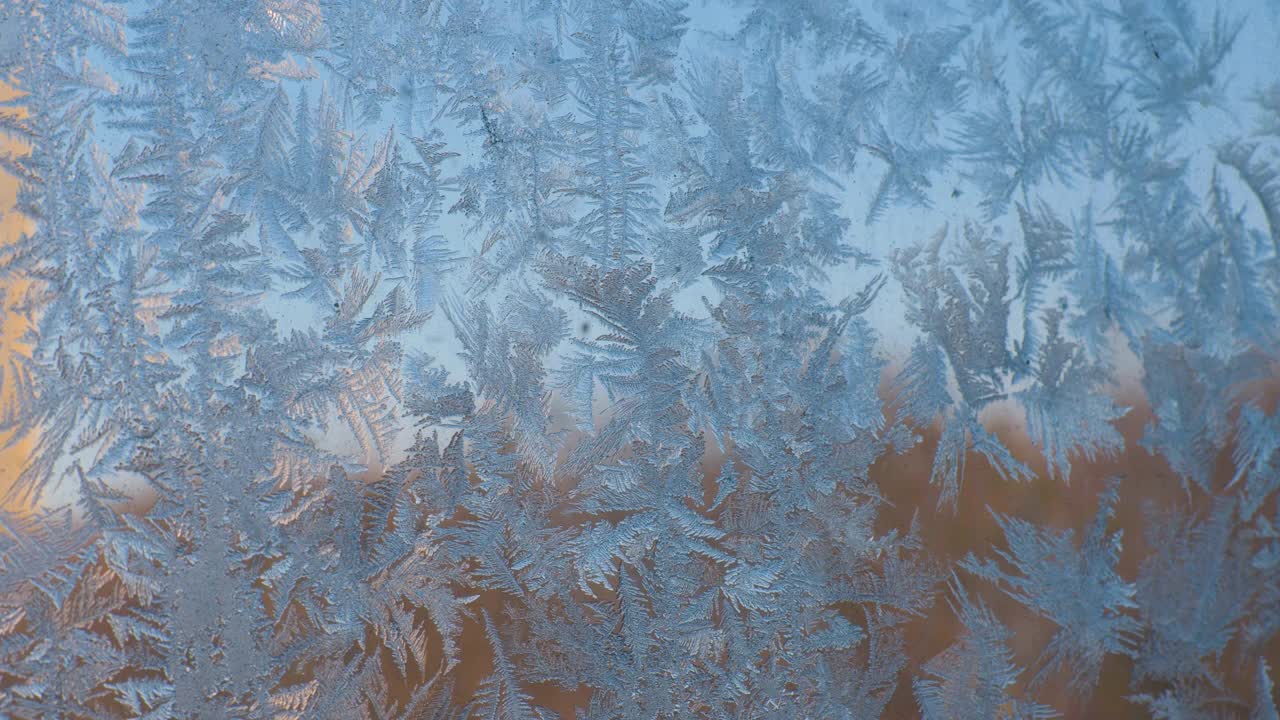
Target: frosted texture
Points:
(640, 359)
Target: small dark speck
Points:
(955, 192)
(584, 328)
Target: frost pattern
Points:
(535, 359)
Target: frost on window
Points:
(606, 359)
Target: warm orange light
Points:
(12, 225)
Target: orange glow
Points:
(13, 457)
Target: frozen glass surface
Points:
(642, 359)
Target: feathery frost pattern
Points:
(532, 359)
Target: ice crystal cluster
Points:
(560, 359)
